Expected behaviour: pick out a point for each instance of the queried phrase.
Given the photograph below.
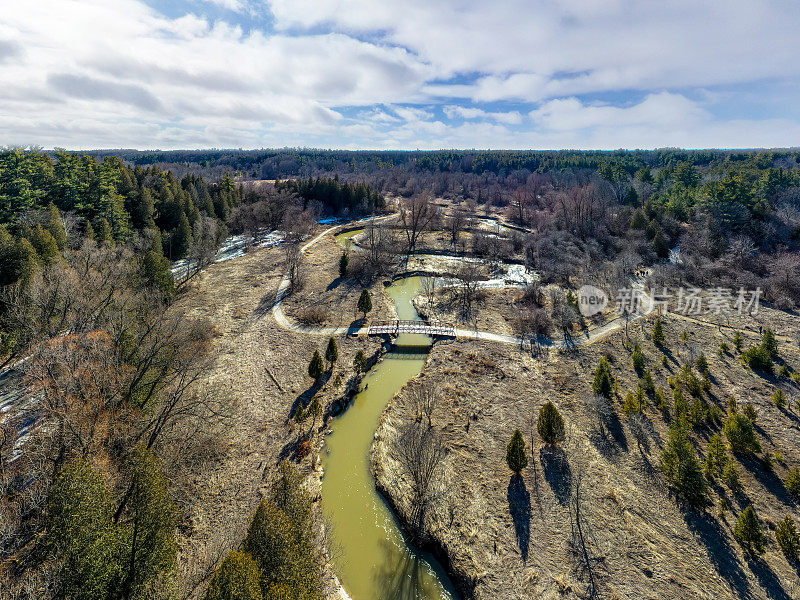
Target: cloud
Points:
(378, 73)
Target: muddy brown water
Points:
(375, 560)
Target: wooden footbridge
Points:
(433, 328)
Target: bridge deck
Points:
(398, 327)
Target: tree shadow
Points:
(334, 284)
(767, 579)
(557, 472)
(720, 552)
(768, 478)
(519, 504)
(264, 305)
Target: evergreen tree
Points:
(88, 231)
(788, 539)
(515, 453)
(550, 424)
(658, 333)
(748, 533)
(102, 230)
(18, 258)
(156, 273)
(44, 243)
(365, 302)
(793, 482)
(770, 343)
(738, 340)
(360, 362)
(238, 578)
(344, 261)
(603, 384)
(660, 244)
(332, 352)
(702, 364)
(181, 238)
(55, 226)
(315, 367)
(638, 359)
(682, 468)
(716, 457)
(741, 434)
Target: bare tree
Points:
(416, 216)
(420, 451)
(455, 227)
(207, 236)
(425, 399)
(468, 276)
(293, 264)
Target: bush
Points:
(758, 359)
(681, 465)
(769, 343)
(738, 340)
(748, 532)
(515, 453)
(550, 424)
(634, 402)
(237, 578)
(702, 364)
(316, 366)
(750, 412)
(788, 538)
(313, 315)
(779, 398)
(724, 348)
(603, 384)
(360, 362)
(741, 434)
(793, 482)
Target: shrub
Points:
(741, 434)
(788, 538)
(697, 412)
(730, 476)
(784, 371)
(758, 359)
(237, 578)
(662, 403)
(603, 384)
(750, 412)
(313, 315)
(793, 482)
(738, 340)
(681, 465)
(638, 359)
(779, 398)
(550, 424)
(658, 333)
(769, 343)
(681, 406)
(664, 361)
(724, 348)
(714, 415)
(748, 532)
(515, 453)
(702, 364)
(647, 384)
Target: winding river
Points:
(375, 560)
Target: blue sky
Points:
(386, 74)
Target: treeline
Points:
(334, 195)
(291, 162)
(105, 201)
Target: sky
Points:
(392, 74)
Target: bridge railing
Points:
(397, 327)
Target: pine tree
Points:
(603, 381)
(238, 578)
(638, 359)
(44, 243)
(365, 302)
(332, 352)
(682, 468)
(56, 226)
(748, 532)
(344, 261)
(716, 457)
(788, 539)
(550, 424)
(702, 364)
(88, 231)
(181, 238)
(769, 342)
(658, 333)
(156, 273)
(315, 367)
(741, 434)
(102, 230)
(660, 244)
(360, 362)
(515, 453)
(793, 482)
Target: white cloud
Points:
(82, 73)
